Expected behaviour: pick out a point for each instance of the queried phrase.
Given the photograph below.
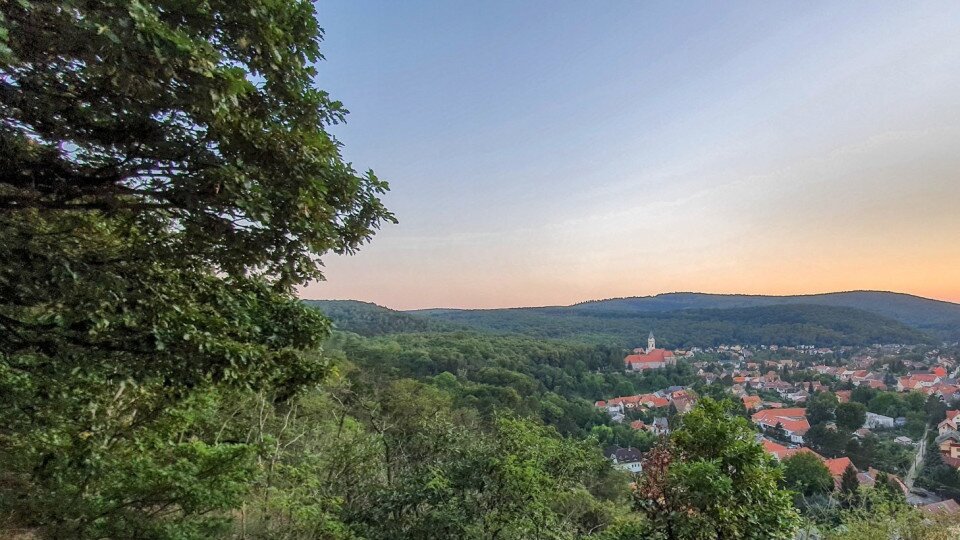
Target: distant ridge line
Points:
(749, 295)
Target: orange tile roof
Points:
(838, 465)
(654, 356)
(751, 402)
(782, 452)
(792, 419)
(948, 507)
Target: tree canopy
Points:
(166, 178)
(806, 474)
(715, 481)
(203, 115)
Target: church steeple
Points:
(651, 343)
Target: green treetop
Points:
(715, 481)
(203, 115)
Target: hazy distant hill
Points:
(369, 319)
(685, 319)
(776, 324)
(935, 316)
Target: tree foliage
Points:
(851, 416)
(166, 177)
(714, 481)
(203, 115)
(821, 408)
(806, 474)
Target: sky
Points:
(545, 153)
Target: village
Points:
(884, 413)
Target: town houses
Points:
(948, 441)
(778, 387)
(675, 399)
(792, 421)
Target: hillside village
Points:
(884, 413)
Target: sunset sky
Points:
(544, 153)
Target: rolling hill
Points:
(933, 316)
(774, 324)
(684, 319)
(369, 319)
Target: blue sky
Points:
(550, 152)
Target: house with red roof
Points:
(776, 450)
(950, 423)
(836, 467)
(949, 444)
(917, 381)
(868, 478)
(752, 402)
(781, 452)
(793, 421)
(947, 507)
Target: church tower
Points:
(651, 343)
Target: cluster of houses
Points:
(793, 422)
(836, 466)
(789, 423)
(677, 399)
(948, 439)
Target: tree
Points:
(779, 433)
(821, 407)
(886, 403)
(166, 179)
(888, 488)
(849, 484)
(915, 401)
(714, 481)
(851, 416)
(830, 442)
(890, 519)
(203, 116)
(806, 474)
(863, 394)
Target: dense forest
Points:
(168, 181)
(369, 319)
(825, 326)
(934, 316)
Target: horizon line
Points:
(644, 296)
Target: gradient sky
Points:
(544, 153)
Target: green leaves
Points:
(715, 481)
(806, 474)
(203, 116)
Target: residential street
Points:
(917, 461)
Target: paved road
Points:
(917, 461)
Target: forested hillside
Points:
(782, 325)
(935, 316)
(369, 319)
(553, 381)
